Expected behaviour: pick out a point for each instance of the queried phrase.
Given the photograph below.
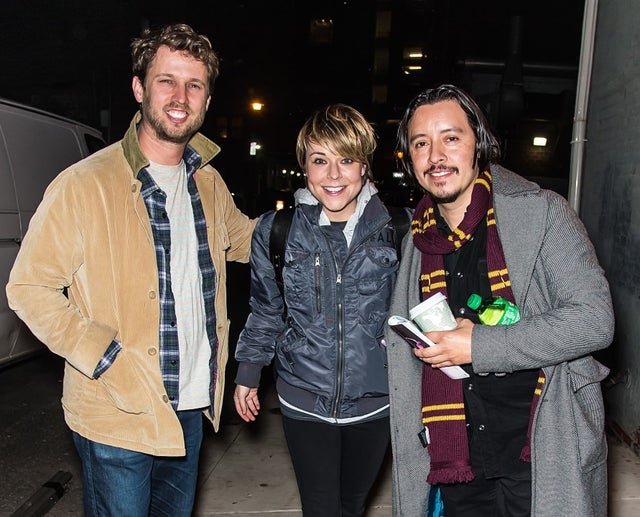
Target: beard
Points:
(164, 130)
(445, 198)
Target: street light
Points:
(257, 105)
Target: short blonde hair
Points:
(341, 129)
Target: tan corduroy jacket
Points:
(91, 235)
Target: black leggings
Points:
(335, 465)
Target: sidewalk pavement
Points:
(245, 471)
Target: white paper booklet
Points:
(412, 335)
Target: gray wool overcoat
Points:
(567, 314)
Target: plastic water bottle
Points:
(495, 310)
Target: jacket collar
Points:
(370, 211)
(509, 183)
(304, 196)
(200, 144)
(516, 200)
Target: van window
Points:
(8, 200)
(93, 144)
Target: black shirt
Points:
(497, 406)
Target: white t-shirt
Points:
(186, 284)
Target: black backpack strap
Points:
(278, 241)
(401, 221)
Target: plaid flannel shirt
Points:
(155, 201)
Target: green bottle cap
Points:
(474, 301)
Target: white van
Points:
(34, 147)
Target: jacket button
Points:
(165, 398)
(152, 295)
(134, 187)
(152, 351)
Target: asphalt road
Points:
(35, 442)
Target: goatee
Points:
(450, 198)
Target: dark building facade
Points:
(71, 57)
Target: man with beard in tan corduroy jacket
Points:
(138, 235)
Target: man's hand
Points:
(247, 403)
(452, 347)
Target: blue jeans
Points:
(121, 483)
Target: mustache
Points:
(178, 105)
(441, 168)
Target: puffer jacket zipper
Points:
(340, 312)
(316, 264)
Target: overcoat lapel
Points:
(520, 248)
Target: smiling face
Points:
(174, 98)
(442, 146)
(335, 181)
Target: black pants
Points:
(499, 497)
(335, 465)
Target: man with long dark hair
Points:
(524, 433)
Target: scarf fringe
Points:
(450, 475)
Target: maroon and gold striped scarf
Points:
(442, 399)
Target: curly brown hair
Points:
(180, 37)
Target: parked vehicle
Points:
(34, 147)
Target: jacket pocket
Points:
(290, 343)
(125, 386)
(384, 257)
(375, 286)
(302, 276)
(585, 375)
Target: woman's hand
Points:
(247, 402)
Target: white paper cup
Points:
(433, 314)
